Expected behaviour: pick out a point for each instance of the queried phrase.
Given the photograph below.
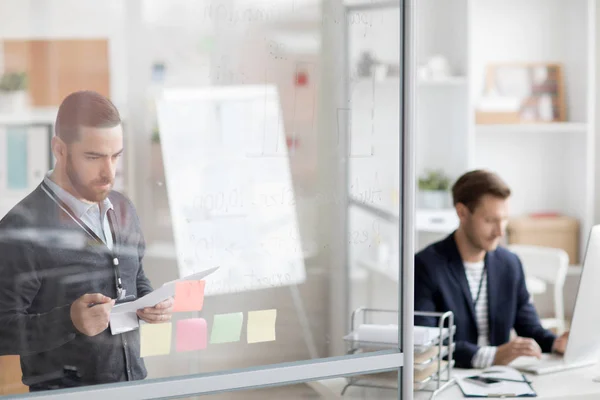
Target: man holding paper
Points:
(482, 283)
(69, 252)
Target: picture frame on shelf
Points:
(522, 93)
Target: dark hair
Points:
(473, 185)
(84, 108)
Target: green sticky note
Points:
(261, 326)
(227, 328)
(155, 339)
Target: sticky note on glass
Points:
(227, 328)
(189, 296)
(261, 326)
(155, 339)
(191, 334)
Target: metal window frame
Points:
(242, 379)
(325, 368)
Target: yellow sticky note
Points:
(155, 339)
(261, 326)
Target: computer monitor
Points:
(583, 346)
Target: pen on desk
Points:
(512, 380)
(507, 380)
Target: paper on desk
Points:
(123, 317)
(509, 389)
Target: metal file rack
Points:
(440, 376)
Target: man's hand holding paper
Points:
(157, 314)
(155, 307)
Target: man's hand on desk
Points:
(157, 314)
(560, 344)
(517, 347)
(91, 313)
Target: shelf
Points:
(557, 127)
(450, 81)
(28, 117)
(436, 221)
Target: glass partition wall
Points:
(262, 189)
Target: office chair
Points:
(549, 265)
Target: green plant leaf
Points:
(434, 180)
(13, 81)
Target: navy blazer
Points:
(441, 285)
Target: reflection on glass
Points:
(207, 149)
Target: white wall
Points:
(548, 171)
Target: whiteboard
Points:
(229, 187)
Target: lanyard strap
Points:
(89, 231)
(480, 284)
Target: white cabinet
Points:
(24, 154)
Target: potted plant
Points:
(434, 190)
(13, 92)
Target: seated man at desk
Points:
(482, 283)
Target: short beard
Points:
(472, 239)
(80, 187)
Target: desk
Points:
(575, 384)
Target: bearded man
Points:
(481, 282)
(69, 251)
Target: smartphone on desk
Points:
(482, 380)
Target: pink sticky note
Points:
(191, 334)
(189, 296)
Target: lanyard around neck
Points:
(480, 285)
(90, 232)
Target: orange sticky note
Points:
(189, 296)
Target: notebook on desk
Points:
(511, 383)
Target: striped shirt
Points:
(485, 355)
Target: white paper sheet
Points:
(123, 317)
(123, 322)
(504, 388)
